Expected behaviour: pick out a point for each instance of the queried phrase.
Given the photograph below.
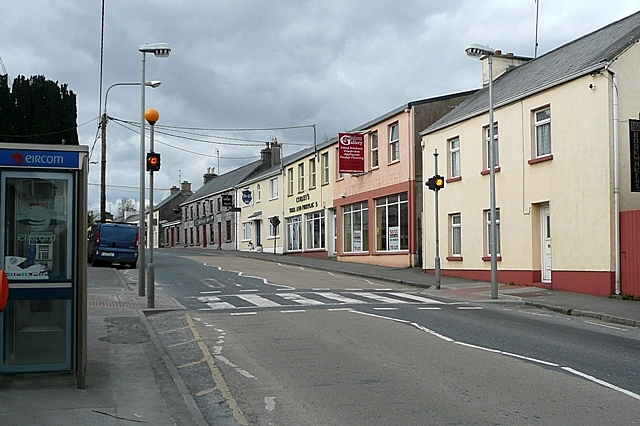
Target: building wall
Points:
(309, 200)
(388, 179)
(261, 209)
(575, 181)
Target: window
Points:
(229, 231)
(325, 168)
(394, 143)
(488, 232)
(312, 173)
(191, 209)
(294, 233)
(392, 223)
(543, 132)
(197, 210)
(290, 181)
(301, 177)
(356, 228)
(456, 234)
(454, 157)
(246, 231)
(258, 194)
(273, 188)
(337, 157)
(496, 145)
(219, 204)
(315, 230)
(373, 146)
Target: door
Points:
(545, 236)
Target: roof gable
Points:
(579, 57)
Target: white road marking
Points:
(243, 313)
(295, 297)
(385, 309)
(469, 308)
(269, 403)
(429, 308)
(380, 298)
(605, 325)
(258, 300)
(418, 298)
(340, 298)
(293, 311)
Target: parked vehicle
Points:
(113, 243)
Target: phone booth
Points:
(43, 212)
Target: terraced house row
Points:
(567, 148)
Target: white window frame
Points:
(246, 231)
(487, 216)
(273, 188)
(258, 194)
(394, 143)
(337, 157)
(496, 146)
(373, 148)
(301, 177)
(540, 124)
(455, 220)
(312, 173)
(290, 181)
(294, 233)
(311, 219)
(325, 168)
(454, 157)
(349, 214)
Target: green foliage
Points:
(37, 110)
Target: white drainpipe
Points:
(616, 178)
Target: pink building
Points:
(378, 211)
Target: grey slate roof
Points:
(224, 182)
(580, 57)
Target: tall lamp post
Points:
(478, 51)
(103, 151)
(160, 50)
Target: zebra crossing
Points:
(222, 302)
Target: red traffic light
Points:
(153, 162)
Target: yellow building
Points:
(567, 173)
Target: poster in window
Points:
(394, 238)
(351, 153)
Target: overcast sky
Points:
(239, 64)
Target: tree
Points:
(91, 217)
(37, 110)
(124, 205)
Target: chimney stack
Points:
(265, 155)
(185, 186)
(502, 63)
(209, 175)
(276, 152)
(174, 190)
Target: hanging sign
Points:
(634, 161)
(351, 152)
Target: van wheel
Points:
(131, 265)
(96, 263)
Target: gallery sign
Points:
(351, 152)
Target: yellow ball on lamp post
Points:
(152, 115)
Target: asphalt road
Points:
(263, 343)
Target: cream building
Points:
(566, 180)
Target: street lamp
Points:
(478, 51)
(103, 151)
(160, 50)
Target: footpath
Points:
(130, 379)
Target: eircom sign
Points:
(350, 153)
(40, 159)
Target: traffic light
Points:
(153, 162)
(435, 183)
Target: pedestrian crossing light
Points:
(153, 162)
(435, 183)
